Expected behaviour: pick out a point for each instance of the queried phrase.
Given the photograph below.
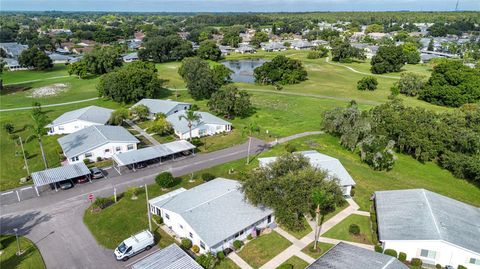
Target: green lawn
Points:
(296, 262)
(299, 234)
(26, 75)
(31, 258)
(340, 231)
(226, 264)
(321, 248)
(262, 249)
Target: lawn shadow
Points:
(24, 223)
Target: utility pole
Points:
(148, 210)
(24, 157)
(18, 243)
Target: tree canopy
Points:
(230, 102)
(412, 55)
(281, 70)
(161, 49)
(209, 50)
(342, 51)
(102, 60)
(388, 59)
(34, 57)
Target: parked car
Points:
(134, 245)
(81, 180)
(140, 165)
(96, 172)
(65, 185)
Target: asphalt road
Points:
(54, 222)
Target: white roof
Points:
(156, 106)
(332, 165)
(93, 114)
(181, 125)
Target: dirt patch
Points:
(50, 90)
(14, 89)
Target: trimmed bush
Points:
(87, 161)
(165, 180)
(416, 262)
(237, 244)
(207, 261)
(207, 177)
(102, 202)
(438, 266)
(367, 83)
(390, 252)
(285, 266)
(354, 229)
(461, 267)
(186, 243)
(402, 256)
(249, 237)
(158, 219)
(220, 255)
(378, 249)
(195, 248)
(99, 159)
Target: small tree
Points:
(165, 180)
(367, 83)
(186, 243)
(354, 229)
(208, 50)
(118, 116)
(160, 126)
(220, 255)
(230, 102)
(140, 112)
(411, 84)
(190, 116)
(207, 261)
(388, 59)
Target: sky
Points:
(237, 5)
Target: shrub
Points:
(99, 159)
(158, 219)
(416, 262)
(390, 252)
(195, 248)
(133, 192)
(285, 266)
(352, 192)
(367, 83)
(402, 256)
(237, 244)
(438, 266)
(207, 177)
(207, 261)
(165, 180)
(354, 229)
(220, 255)
(378, 249)
(290, 148)
(187, 243)
(102, 202)
(249, 237)
(87, 161)
(8, 127)
(461, 267)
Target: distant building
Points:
(272, 46)
(346, 256)
(131, 57)
(332, 166)
(78, 119)
(165, 107)
(139, 36)
(245, 48)
(58, 58)
(429, 226)
(13, 49)
(13, 65)
(377, 36)
(97, 141)
(300, 44)
(212, 215)
(370, 50)
(208, 124)
(226, 50)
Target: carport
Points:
(151, 153)
(57, 174)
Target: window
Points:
(130, 147)
(88, 155)
(74, 159)
(118, 148)
(269, 218)
(430, 254)
(167, 216)
(107, 150)
(475, 261)
(191, 235)
(202, 245)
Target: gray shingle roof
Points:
(92, 137)
(149, 153)
(216, 210)
(156, 106)
(206, 118)
(332, 165)
(61, 173)
(346, 256)
(94, 114)
(171, 257)
(13, 48)
(420, 214)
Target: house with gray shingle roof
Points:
(97, 141)
(429, 226)
(208, 124)
(78, 119)
(332, 166)
(171, 257)
(212, 215)
(346, 256)
(165, 107)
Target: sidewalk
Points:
(239, 261)
(142, 132)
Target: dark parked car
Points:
(81, 180)
(65, 185)
(96, 172)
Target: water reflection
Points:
(243, 69)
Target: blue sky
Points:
(238, 5)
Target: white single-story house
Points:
(165, 107)
(301, 44)
(429, 226)
(13, 49)
(78, 119)
(12, 64)
(131, 57)
(97, 141)
(212, 215)
(321, 161)
(207, 125)
(272, 46)
(171, 257)
(370, 50)
(58, 58)
(347, 256)
(245, 48)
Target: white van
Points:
(134, 245)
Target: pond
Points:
(243, 69)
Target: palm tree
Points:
(190, 116)
(325, 204)
(38, 128)
(249, 129)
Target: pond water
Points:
(243, 69)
